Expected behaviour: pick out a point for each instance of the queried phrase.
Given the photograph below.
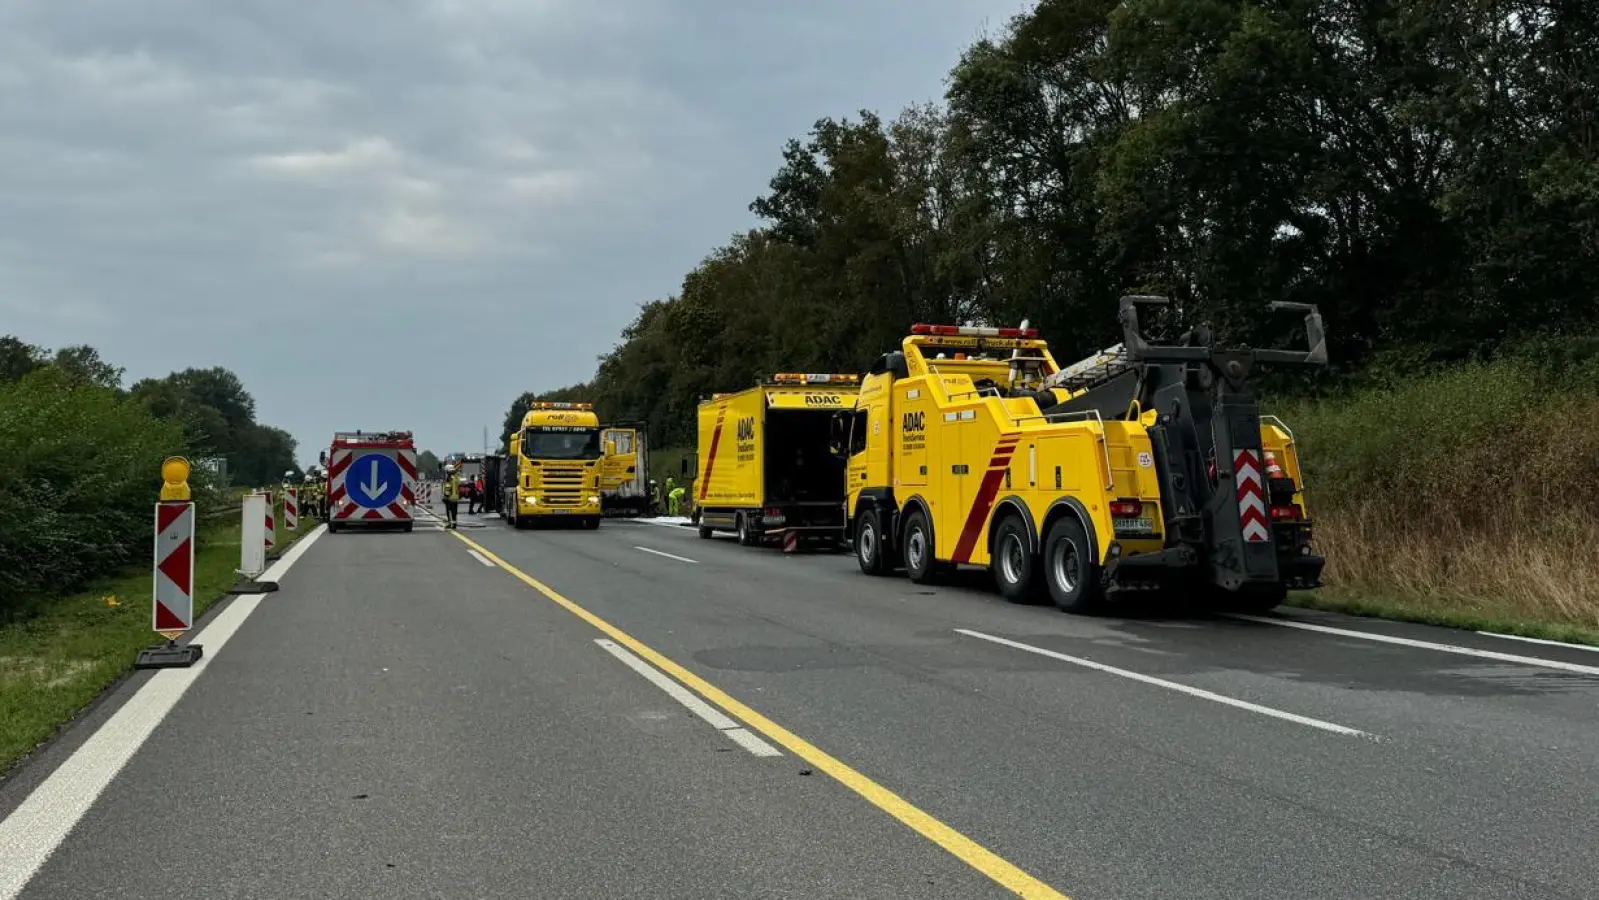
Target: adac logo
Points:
(914, 421)
(746, 429)
(823, 400)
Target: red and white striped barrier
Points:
(173, 594)
(271, 525)
(291, 509)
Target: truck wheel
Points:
(1013, 563)
(705, 533)
(869, 544)
(918, 547)
(1070, 570)
(592, 523)
(747, 536)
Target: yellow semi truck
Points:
(1145, 467)
(765, 468)
(556, 458)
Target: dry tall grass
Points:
(1473, 491)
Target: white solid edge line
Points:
(37, 827)
(698, 707)
(1428, 645)
(1547, 643)
(480, 557)
(668, 555)
(1172, 685)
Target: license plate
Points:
(1140, 525)
(560, 512)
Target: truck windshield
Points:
(549, 444)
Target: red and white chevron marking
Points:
(342, 508)
(271, 526)
(174, 568)
(1252, 515)
(291, 509)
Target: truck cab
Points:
(556, 457)
(1142, 468)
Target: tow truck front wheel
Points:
(1070, 570)
(869, 544)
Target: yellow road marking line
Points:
(962, 847)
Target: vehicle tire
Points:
(333, 528)
(408, 527)
(869, 551)
(1013, 562)
(705, 533)
(1069, 568)
(917, 546)
(592, 523)
(747, 536)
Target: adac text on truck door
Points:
(1146, 467)
(767, 468)
(553, 466)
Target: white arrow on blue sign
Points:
(374, 480)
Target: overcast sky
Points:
(405, 213)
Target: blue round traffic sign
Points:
(374, 480)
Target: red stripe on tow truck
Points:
(710, 458)
(984, 501)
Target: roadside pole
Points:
(172, 594)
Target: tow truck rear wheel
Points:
(869, 543)
(1013, 563)
(1070, 570)
(747, 536)
(920, 563)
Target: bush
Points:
(1471, 489)
(81, 474)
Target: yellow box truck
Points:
(766, 466)
(556, 457)
(1145, 467)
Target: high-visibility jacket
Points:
(452, 488)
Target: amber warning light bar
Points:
(794, 378)
(974, 331)
(548, 405)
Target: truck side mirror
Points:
(683, 466)
(610, 448)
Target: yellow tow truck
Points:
(1144, 467)
(556, 460)
(765, 466)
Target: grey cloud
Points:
(330, 198)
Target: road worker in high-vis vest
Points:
(452, 496)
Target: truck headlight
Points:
(530, 500)
(594, 499)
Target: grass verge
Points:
(56, 662)
(1436, 611)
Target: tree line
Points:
(83, 454)
(1427, 173)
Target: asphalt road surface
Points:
(636, 712)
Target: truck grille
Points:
(563, 485)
